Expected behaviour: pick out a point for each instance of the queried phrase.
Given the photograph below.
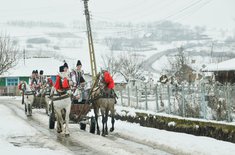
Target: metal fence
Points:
(197, 100)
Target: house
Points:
(120, 82)
(224, 71)
(186, 73)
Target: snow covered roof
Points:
(228, 65)
(50, 66)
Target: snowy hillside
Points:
(57, 29)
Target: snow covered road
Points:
(27, 135)
(79, 142)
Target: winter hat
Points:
(61, 69)
(66, 65)
(41, 72)
(79, 63)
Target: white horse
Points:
(28, 96)
(62, 105)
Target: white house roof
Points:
(50, 66)
(228, 65)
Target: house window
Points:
(12, 81)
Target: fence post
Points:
(169, 102)
(137, 98)
(157, 107)
(228, 102)
(183, 103)
(146, 98)
(121, 97)
(203, 100)
(129, 99)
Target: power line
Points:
(195, 9)
(189, 6)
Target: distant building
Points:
(120, 82)
(186, 73)
(224, 71)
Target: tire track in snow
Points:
(68, 142)
(79, 141)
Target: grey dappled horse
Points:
(105, 105)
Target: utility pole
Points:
(212, 44)
(24, 55)
(90, 41)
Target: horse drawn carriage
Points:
(67, 106)
(34, 99)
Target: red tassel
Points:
(19, 86)
(65, 84)
(57, 83)
(50, 81)
(109, 80)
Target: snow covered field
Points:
(127, 138)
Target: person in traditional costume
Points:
(77, 76)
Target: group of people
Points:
(67, 78)
(70, 79)
(37, 80)
(64, 79)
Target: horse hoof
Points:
(111, 129)
(67, 135)
(98, 133)
(59, 131)
(103, 134)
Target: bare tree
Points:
(177, 61)
(8, 54)
(111, 63)
(131, 65)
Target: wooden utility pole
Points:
(212, 45)
(90, 42)
(24, 55)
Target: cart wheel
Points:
(82, 126)
(52, 121)
(92, 126)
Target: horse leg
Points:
(59, 125)
(106, 121)
(103, 122)
(112, 121)
(67, 120)
(96, 119)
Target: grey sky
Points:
(214, 13)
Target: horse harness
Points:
(104, 93)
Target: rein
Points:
(60, 97)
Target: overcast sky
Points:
(213, 13)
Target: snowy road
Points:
(79, 142)
(30, 135)
(148, 64)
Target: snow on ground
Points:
(14, 127)
(177, 142)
